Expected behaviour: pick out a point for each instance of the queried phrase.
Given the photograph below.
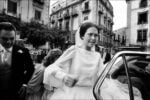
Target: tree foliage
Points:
(34, 32)
(58, 37)
(37, 34)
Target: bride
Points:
(75, 72)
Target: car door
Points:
(117, 62)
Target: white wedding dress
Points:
(83, 65)
(114, 90)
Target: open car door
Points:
(121, 60)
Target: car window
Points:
(110, 87)
(116, 65)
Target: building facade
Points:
(138, 23)
(26, 10)
(119, 38)
(69, 14)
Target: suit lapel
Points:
(14, 52)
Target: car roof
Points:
(141, 48)
(136, 52)
(131, 52)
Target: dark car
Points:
(130, 68)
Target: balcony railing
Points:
(39, 1)
(3, 11)
(52, 21)
(86, 10)
(60, 16)
(66, 15)
(100, 10)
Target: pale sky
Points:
(120, 13)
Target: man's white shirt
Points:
(5, 54)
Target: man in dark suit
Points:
(16, 65)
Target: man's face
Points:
(7, 38)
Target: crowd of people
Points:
(61, 75)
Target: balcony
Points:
(3, 11)
(60, 17)
(41, 2)
(66, 14)
(100, 10)
(74, 13)
(52, 19)
(105, 30)
(38, 3)
(86, 10)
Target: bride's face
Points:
(90, 37)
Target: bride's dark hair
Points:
(85, 26)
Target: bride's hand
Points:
(69, 81)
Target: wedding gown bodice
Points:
(84, 66)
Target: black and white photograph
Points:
(74, 50)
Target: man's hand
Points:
(69, 81)
(22, 92)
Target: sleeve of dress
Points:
(34, 85)
(55, 73)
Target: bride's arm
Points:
(56, 72)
